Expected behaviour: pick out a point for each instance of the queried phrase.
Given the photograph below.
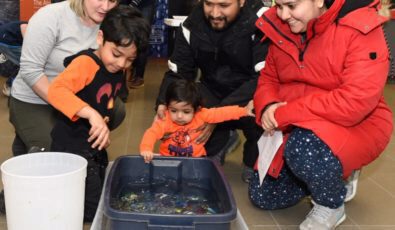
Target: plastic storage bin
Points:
(177, 169)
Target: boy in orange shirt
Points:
(179, 129)
(85, 93)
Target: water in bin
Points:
(44, 191)
(160, 193)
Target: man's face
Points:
(220, 13)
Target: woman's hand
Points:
(207, 129)
(268, 121)
(99, 133)
(147, 155)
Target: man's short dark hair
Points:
(124, 25)
(184, 91)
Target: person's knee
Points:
(263, 197)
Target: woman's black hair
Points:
(124, 25)
(328, 3)
(184, 91)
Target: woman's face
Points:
(96, 10)
(297, 13)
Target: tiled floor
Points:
(373, 208)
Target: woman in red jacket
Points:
(322, 86)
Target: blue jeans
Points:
(13, 54)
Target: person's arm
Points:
(226, 113)
(62, 95)
(62, 91)
(151, 135)
(267, 90)
(39, 40)
(363, 80)
(99, 132)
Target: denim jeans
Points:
(13, 54)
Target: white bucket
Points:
(44, 191)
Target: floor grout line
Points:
(383, 188)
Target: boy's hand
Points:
(249, 108)
(147, 155)
(99, 133)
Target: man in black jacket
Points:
(220, 39)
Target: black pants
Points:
(96, 171)
(220, 136)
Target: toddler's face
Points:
(181, 113)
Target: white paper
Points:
(268, 146)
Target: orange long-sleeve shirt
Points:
(177, 140)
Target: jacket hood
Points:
(338, 11)
(88, 52)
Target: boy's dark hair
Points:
(184, 91)
(124, 25)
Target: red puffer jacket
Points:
(333, 83)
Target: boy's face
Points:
(181, 113)
(115, 58)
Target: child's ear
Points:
(100, 38)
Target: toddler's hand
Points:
(160, 112)
(249, 108)
(147, 155)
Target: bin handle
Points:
(160, 227)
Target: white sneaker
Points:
(323, 218)
(351, 185)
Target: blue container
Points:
(175, 168)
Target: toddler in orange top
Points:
(179, 129)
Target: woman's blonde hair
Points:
(78, 7)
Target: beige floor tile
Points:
(385, 181)
(372, 205)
